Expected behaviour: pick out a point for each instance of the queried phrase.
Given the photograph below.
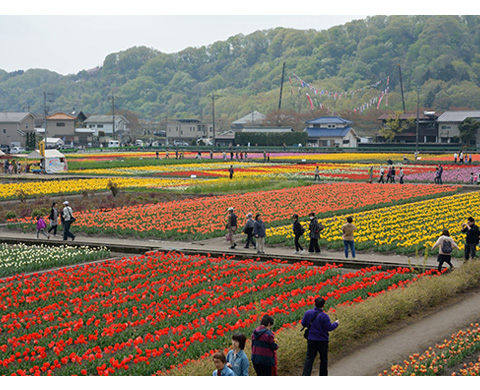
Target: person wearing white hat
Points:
(67, 220)
(231, 227)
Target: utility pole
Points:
(401, 86)
(418, 117)
(281, 88)
(113, 116)
(47, 97)
(213, 116)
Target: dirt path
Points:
(413, 338)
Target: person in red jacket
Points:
(264, 347)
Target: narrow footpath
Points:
(415, 337)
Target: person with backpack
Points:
(231, 227)
(318, 326)
(248, 230)
(315, 229)
(298, 232)
(473, 235)
(264, 347)
(445, 244)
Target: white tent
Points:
(55, 161)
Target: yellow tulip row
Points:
(404, 227)
(10, 190)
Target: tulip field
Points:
(148, 314)
(449, 353)
(205, 217)
(51, 187)
(21, 258)
(403, 228)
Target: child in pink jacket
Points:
(41, 225)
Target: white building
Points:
(331, 131)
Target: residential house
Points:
(103, 128)
(448, 123)
(331, 131)
(14, 127)
(188, 130)
(254, 118)
(427, 127)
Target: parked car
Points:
(5, 148)
(17, 150)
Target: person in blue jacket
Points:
(319, 325)
(220, 364)
(237, 360)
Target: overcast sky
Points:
(47, 34)
(68, 44)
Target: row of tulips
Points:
(21, 258)
(404, 228)
(11, 190)
(206, 217)
(447, 354)
(148, 314)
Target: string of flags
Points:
(338, 95)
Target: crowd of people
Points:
(255, 231)
(316, 326)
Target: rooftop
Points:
(328, 120)
(457, 116)
(13, 117)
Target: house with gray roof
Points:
(331, 131)
(14, 127)
(448, 124)
(251, 119)
(103, 126)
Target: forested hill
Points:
(440, 55)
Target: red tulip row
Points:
(146, 314)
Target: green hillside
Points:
(438, 54)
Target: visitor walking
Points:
(53, 218)
(382, 173)
(472, 238)
(259, 232)
(315, 229)
(470, 158)
(445, 244)
(264, 347)
(389, 174)
(455, 156)
(231, 227)
(392, 175)
(224, 156)
(41, 225)
(237, 359)
(230, 172)
(347, 237)
(461, 158)
(221, 368)
(401, 175)
(298, 232)
(370, 175)
(317, 174)
(319, 325)
(440, 173)
(435, 180)
(67, 220)
(248, 230)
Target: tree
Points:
(394, 126)
(468, 130)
